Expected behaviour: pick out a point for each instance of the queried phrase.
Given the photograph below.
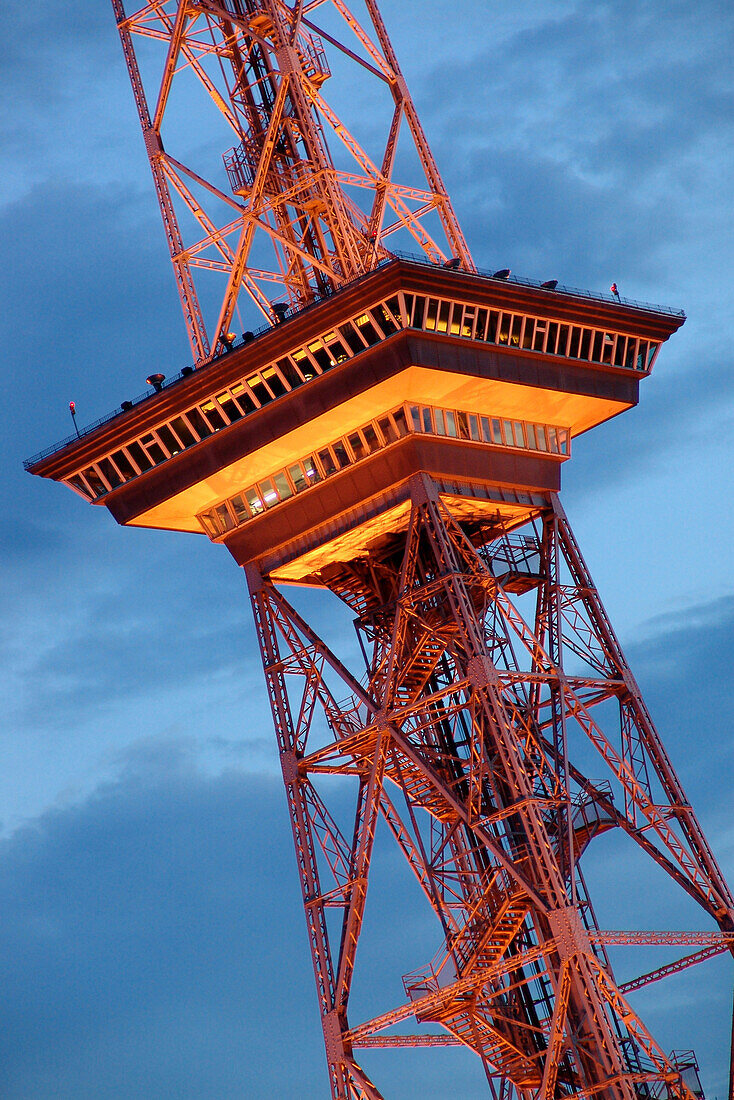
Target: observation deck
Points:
(296, 447)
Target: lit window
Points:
(77, 482)
(153, 448)
(268, 493)
(418, 310)
(467, 324)
(298, 477)
(254, 501)
(282, 486)
(168, 439)
(208, 522)
(327, 462)
(109, 473)
(370, 437)
(183, 431)
(225, 520)
(341, 455)
(311, 469)
(387, 429)
(274, 381)
(213, 415)
(240, 509)
(357, 445)
(400, 422)
(123, 464)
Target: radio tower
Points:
(395, 434)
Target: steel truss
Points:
(280, 218)
(461, 737)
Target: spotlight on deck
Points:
(247, 336)
(453, 263)
(185, 371)
(550, 284)
(126, 405)
(503, 273)
(227, 339)
(280, 309)
(156, 381)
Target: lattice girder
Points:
(469, 764)
(280, 219)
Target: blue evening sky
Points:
(152, 942)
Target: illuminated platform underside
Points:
(577, 412)
(366, 538)
(349, 516)
(445, 341)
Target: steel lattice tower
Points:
(395, 435)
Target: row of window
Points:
(518, 330)
(374, 324)
(242, 397)
(489, 429)
(376, 435)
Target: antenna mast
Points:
(273, 212)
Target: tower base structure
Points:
(400, 444)
(490, 664)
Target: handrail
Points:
(536, 284)
(402, 256)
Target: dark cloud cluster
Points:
(141, 948)
(587, 139)
(154, 945)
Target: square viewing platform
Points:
(308, 431)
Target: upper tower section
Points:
(298, 445)
(296, 448)
(285, 201)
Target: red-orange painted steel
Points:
(491, 668)
(469, 712)
(322, 225)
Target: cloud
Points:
(141, 948)
(152, 915)
(64, 74)
(154, 944)
(682, 664)
(573, 148)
